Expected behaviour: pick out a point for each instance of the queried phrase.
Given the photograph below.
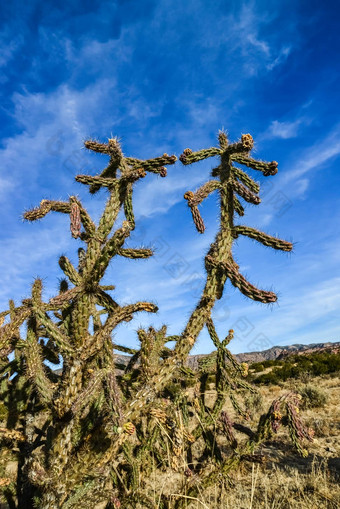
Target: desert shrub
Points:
(312, 397)
(254, 402)
(258, 368)
(300, 367)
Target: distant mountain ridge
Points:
(281, 352)
(276, 352)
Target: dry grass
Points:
(286, 480)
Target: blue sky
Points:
(162, 76)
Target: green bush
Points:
(254, 402)
(258, 367)
(312, 397)
(299, 366)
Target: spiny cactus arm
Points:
(203, 192)
(189, 156)
(9, 332)
(119, 195)
(77, 213)
(135, 253)
(266, 168)
(45, 207)
(118, 160)
(245, 145)
(246, 180)
(212, 333)
(122, 314)
(108, 287)
(245, 385)
(133, 360)
(125, 349)
(244, 192)
(151, 344)
(266, 240)
(196, 198)
(50, 351)
(214, 337)
(128, 207)
(197, 218)
(155, 165)
(97, 181)
(237, 406)
(90, 392)
(7, 368)
(105, 300)
(109, 250)
(111, 148)
(231, 270)
(238, 207)
(110, 213)
(69, 270)
(53, 331)
(110, 182)
(113, 398)
(3, 315)
(63, 299)
(35, 365)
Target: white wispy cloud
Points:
(315, 156)
(284, 130)
(258, 53)
(9, 46)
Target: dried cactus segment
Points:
(197, 218)
(247, 195)
(227, 425)
(75, 222)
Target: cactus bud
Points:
(163, 171)
(129, 428)
(247, 141)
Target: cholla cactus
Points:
(104, 427)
